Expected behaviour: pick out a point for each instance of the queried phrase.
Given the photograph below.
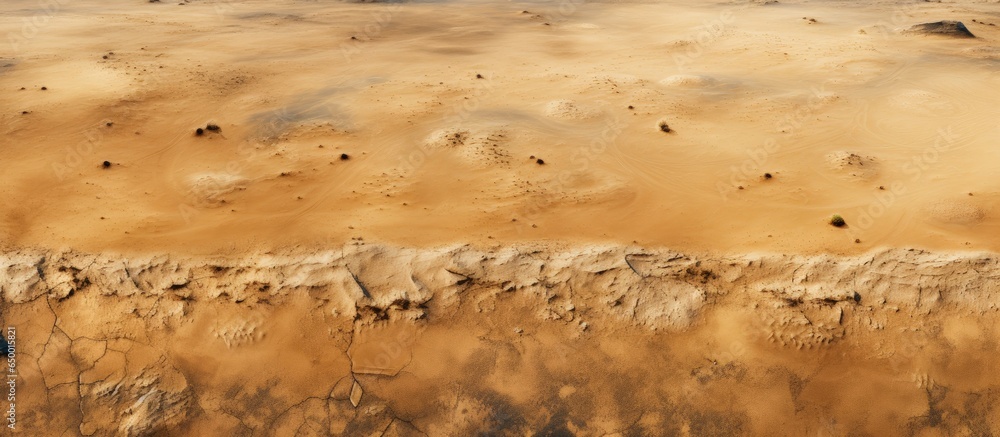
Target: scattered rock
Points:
(540, 161)
(344, 157)
(483, 147)
(768, 176)
(106, 164)
(448, 138)
(199, 132)
(479, 76)
(213, 127)
(852, 165)
(663, 126)
(45, 88)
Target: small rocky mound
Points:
(480, 147)
(953, 29)
(568, 109)
(447, 138)
(852, 165)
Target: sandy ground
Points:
(747, 89)
(451, 217)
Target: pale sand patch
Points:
(211, 189)
(569, 109)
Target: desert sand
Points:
(503, 218)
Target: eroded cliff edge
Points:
(597, 340)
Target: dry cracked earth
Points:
(534, 339)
